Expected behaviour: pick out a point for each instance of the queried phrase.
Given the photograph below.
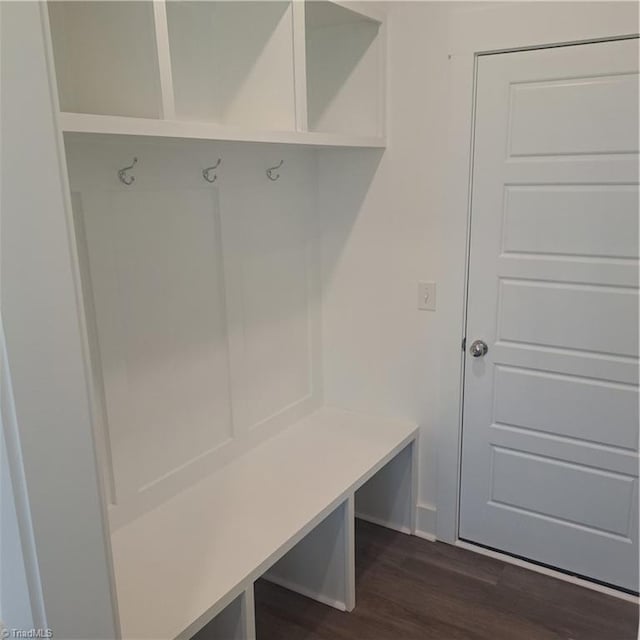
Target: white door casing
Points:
(550, 437)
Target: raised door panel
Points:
(565, 492)
(569, 406)
(571, 316)
(549, 117)
(572, 220)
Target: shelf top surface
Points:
(87, 123)
(201, 548)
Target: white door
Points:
(550, 436)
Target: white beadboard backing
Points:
(193, 290)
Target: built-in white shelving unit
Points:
(309, 73)
(200, 265)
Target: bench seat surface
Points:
(180, 564)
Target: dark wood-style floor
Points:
(411, 589)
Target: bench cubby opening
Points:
(235, 622)
(321, 565)
(389, 497)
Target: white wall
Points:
(380, 351)
(44, 349)
(15, 607)
(381, 354)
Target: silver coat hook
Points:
(270, 171)
(122, 173)
(206, 173)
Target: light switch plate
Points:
(427, 296)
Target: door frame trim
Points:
(507, 28)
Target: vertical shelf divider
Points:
(300, 64)
(383, 79)
(350, 553)
(237, 621)
(164, 59)
(249, 614)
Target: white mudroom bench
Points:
(284, 510)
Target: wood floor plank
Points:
(385, 541)
(568, 609)
(411, 589)
(436, 599)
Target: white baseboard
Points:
(307, 593)
(426, 522)
(383, 523)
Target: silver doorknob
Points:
(478, 348)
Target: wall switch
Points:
(427, 296)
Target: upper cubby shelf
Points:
(105, 58)
(344, 70)
(231, 63)
(290, 72)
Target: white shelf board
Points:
(331, 13)
(369, 11)
(178, 566)
(117, 125)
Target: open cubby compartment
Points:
(232, 63)
(344, 70)
(235, 622)
(106, 58)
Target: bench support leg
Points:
(322, 565)
(389, 497)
